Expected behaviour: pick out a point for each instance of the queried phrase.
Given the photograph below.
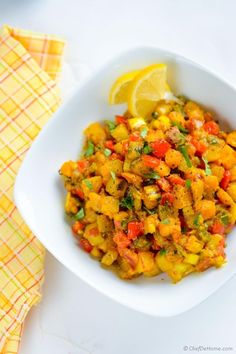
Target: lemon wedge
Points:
(146, 88)
(120, 89)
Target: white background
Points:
(73, 318)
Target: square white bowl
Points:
(39, 191)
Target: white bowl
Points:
(39, 191)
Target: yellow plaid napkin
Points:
(29, 65)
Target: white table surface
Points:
(72, 317)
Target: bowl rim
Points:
(78, 87)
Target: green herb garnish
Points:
(127, 202)
(196, 220)
(180, 127)
(147, 149)
(90, 149)
(113, 175)
(88, 184)
(184, 152)
(188, 183)
(107, 152)
(165, 221)
(162, 252)
(111, 125)
(79, 215)
(143, 132)
(207, 167)
(152, 175)
(225, 219)
(150, 212)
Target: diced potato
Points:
(218, 171)
(182, 196)
(146, 262)
(177, 117)
(219, 261)
(111, 166)
(197, 188)
(193, 111)
(179, 271)
(191, 258)
(109, 206)
(173, 158)
(152, 192)
(94, 201)
(92, 234)
(92, 184)
(130, 256)
(107, 244)
(224, 197)
(71, 204)
(135, 123)
(231, 138)
(231, 190)
(122, 215)
(104, 224)
(213, 153)
(90, 214)
(233, 173)
(137, 196)
(169, 227)
(163, 107)
(154, 135)
(110, 257)
(228, 157)
(67, 168)
(211, 183)
(150, 224)
(132, 178)
(206, 208)
(96, 253)
(116, 187)
(233, 214)
(163, 170)
(163, 263)
(215, 242)
(163, 123)
(96, 133)
(193, 244)
(120, 132)
(134, 149)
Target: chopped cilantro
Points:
(88, 184)
(111, 125)
(188, 183)
(127, 202)
(150, 212)
(90, 149)
(180, 127)
(165, 221)
(113, 175)
(225, 219)
(184, 152)
(79, 215)
(207, 167)
(143, 132)
(147, 149)
(107, 152)
(152, 175)
(162, 252)
(196, 220)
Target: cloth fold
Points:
(30, 65)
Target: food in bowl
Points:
(155, 189)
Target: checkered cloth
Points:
(29, 65)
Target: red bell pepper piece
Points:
(116, 156)
(134, 137)
(211, 127)
(199, 146)
(135, 229)
(85, 245)
(164, 184)
(121, 240)
(150, 161)
(225, 180)
(160, 148)
(167, 198)
(109, 144)
(217, 228)
(77, 226)
(82, 165)
(78, 192)
(121, 120)
(175, 179)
